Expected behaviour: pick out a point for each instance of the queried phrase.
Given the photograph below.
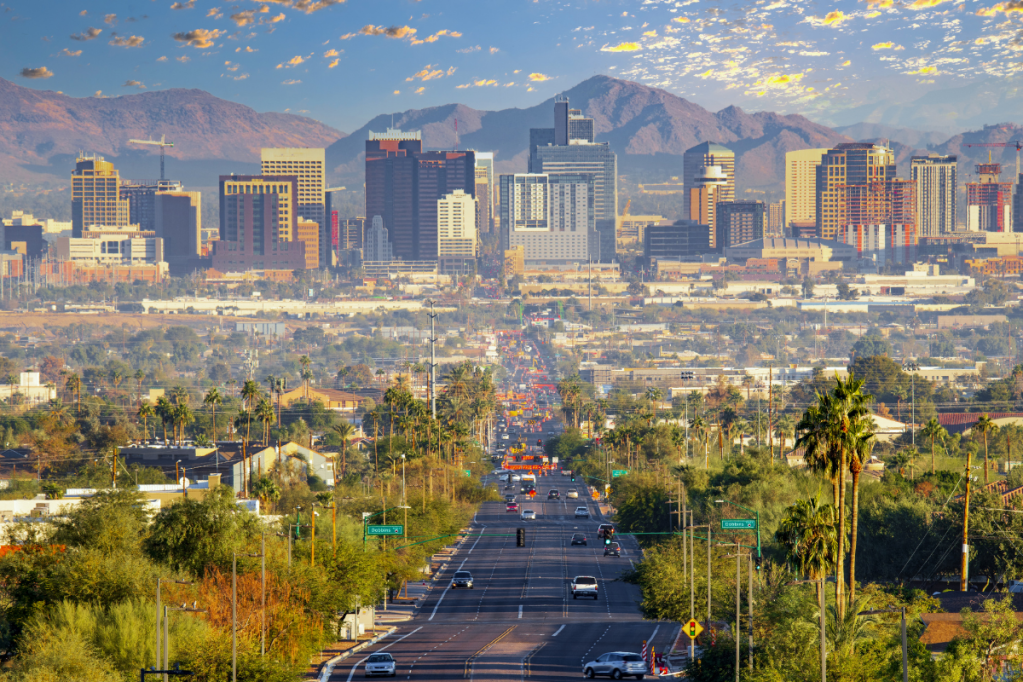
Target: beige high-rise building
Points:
(285, 187)
(95, 195)
(708, 187)
(483, 202)
(309, 234)
(456, 230)
(801, 185)
(702, 156)
(936, 190)
(857, 170)
(775, 226)
(308, 165)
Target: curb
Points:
(328, 667)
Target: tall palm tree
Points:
(139, 376)
(145, 412)
(860, 441)
(74, 387)
(344, 430)
(182, 416)
(809, 535)
(984, 426)
(250, 394)
(700, 427)
(933, 429)
(265, 413)
(165, 411)
(306, 374)
(213, 398)
(784, 426)
(116, 377)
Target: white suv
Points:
(616, 665)
(582, 513)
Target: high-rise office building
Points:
(738, 222)
(377, 244)
(456, 231)
(936, 189)
(141, 196)
(308, 232)
(438, 174)
(390, 185)
(579, 126)
(883, 244)
(708, 188)
(705, 155)
(177, 220)
(988, 201)
(862, 164)
(258, 224)
(880, 203)
(308, 166)
(549, 216)
(95, 196)
(775, 219)
(350, 233)
(801, 186)
(485, 184)
(678, 240)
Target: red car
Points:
(512, 507)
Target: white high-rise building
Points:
(550, 216)
(936, 188)
(456, 231)
(308, 165)
(801, 185)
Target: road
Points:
(521, 606)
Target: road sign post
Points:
(615, 473)
(738, 524)
(693, 628)
(385, 530)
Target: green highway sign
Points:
(467, 472)
(738, 524)
(615, 473)
(384, 530)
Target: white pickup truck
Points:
(584, 586)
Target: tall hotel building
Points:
(694, 163)
(456, 232)
(307, 166)
(258, 224)
(550, 216)
(936, 187)
(95, 196)
(801, 186)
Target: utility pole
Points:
(433, 359)
(964, 568)
(589, 282)
(770, 409)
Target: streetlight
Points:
(158, 582)
(692, 577)
(166, 630)
(824, 646)
(905, 647)
(749, 604)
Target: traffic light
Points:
(691, 627)
(573, 478)
(609, 535)
(520, 537)
(539, 442)
(758, 560)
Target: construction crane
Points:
(1002, 145)
(162, 143)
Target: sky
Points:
(343, 62)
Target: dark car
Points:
(553, 494)
(578, 539)
(462, 579)
(509, 498)
(614, 549)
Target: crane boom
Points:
(999, 144)
(162, 143)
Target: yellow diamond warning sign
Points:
(692, 629)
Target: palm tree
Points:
(344, 430)
(266, 489)
(74, 387)
(984, 426)
(933, 429)
(139, 376)
(180, 394)
(306, 374)
(250, 394)
(182, 417)
(860, 441)
(699, 425)
(145, 412)
(782, 428)
(809, 535)
(165, 411)
(116, 377)
(265, 413)
(213, 398)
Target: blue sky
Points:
(343, 62)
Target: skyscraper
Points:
(801, 185)
(178, 221)
(258, 224)
(307, 165)
(579, 126)
(863, 164)
(141, 196)
(988, 201)
(936, 188)
(485, 184)
(95, 196)
(456, 231)
(390, 185)
(738, 222)
(438, 174)
(549, 216)
(775, 219)
(701, 156)
(668, 240)
(377, 243)
(708, 188)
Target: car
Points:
(509, 498)
(572, 495)
(614, 549)
(582, 513)
(553, 494)
(579, 539)
(616, 665)
(381, 664)
(504, 436)
(516, 477)
(462, 579)
(528, 515)
(512, 507)
(584, 586)
(602, 527)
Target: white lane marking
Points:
(520, 610)
(362, 660)
(558, 631)
(651, 640)
(444, 594)
(477, 541)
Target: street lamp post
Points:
(158, 582)
(692, 578)
(166, 630)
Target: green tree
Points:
(984, 426)
(933, 430)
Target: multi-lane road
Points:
(519, 621)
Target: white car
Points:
(516, 477)
(504, 436)
(380, 664)
(582, 512)
(616, 665)
(572, 495)
(528, 515)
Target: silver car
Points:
(380, 664)
(616, 665)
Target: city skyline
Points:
(301, 56)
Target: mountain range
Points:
(649, 129)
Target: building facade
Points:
(738, 222)
(308, 232)
(177, 220)
(96, 196)
(696, 160)
(989, 201)
(438, 174)
(709, 186)
(801, 185)
(456, 231)
(549, 216)
(377, 244)
(775, 226)
(307, 165)
(883, 243)
(679, 240)
(861, 164)
(936, 192)
(486, 183)
(258, 225)
(390, 185)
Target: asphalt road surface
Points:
(519, 621)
